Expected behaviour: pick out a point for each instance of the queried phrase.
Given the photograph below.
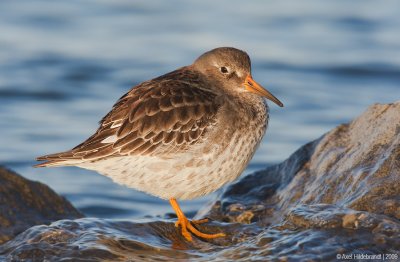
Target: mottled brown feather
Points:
(164, 114)
(157, 138)
(100, 153)
(169, 137)
(165, 104)
(132, 145)
(121, 142)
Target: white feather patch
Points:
(110, 139)
(116, 124)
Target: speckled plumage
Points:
(181, 135)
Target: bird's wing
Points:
(159, 116)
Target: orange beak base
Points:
(254, 87)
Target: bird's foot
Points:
(186, 225)
(188, 228)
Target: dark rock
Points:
(336, 195)
(24, 203)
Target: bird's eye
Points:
(223, 70)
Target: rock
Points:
(338, 195)
(24, 203)
(90, 239)
(356, 166)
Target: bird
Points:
(181, 135)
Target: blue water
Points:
(64, 63)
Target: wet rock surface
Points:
(355, 166)
(336, 195)
(25, 203)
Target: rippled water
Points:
(64, 64)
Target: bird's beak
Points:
(254, 87)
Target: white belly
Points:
(187, 175)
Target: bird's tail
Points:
(58, 159)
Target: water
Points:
(64, 64)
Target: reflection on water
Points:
(64, 64)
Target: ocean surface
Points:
(63, 64)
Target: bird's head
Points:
(232, 67)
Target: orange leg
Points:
(187, 226)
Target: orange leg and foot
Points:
(187, 226)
